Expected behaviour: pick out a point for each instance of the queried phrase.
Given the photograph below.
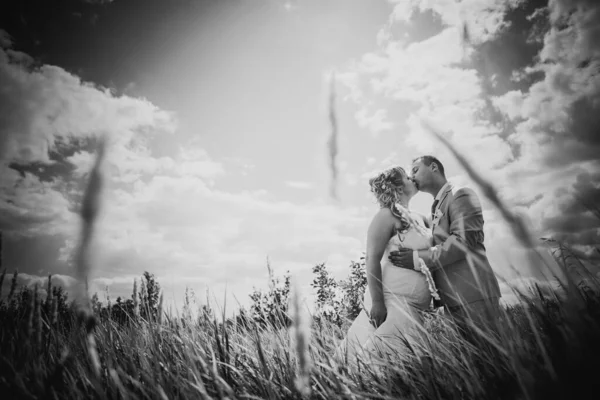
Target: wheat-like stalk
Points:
(54, 320)
(115, 378)
(301, 335)
(136, 304)
(2, 281)
(38, 321)
(143, 297)
(108, 303)
(271, 277)
(49, 293)
(160, 308)
(31, 312)
(90, 210)
(89, 213)
(332, 143)
(13, 285)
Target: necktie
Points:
(433, 206)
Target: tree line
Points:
(336, 301)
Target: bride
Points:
(394, 296)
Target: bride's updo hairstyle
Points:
(387, 186)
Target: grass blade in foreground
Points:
(89, 213)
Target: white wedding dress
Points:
(406, 293)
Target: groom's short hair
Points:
(427, 160)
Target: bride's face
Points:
(410, 189)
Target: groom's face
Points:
(420, 175)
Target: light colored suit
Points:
(459, 265)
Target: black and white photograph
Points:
(299, 199)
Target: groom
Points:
(467, 285)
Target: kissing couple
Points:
(412, 260)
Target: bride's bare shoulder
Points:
(386, 216)
(383, 221)
(384, 213)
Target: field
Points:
(547, 347)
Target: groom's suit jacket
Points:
(459, 264)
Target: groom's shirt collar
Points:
(439, 195)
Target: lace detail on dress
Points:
(417, 226)
(430, 283)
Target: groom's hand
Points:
(402, 258)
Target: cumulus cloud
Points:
(484, 18)
(559, 114)
(30, 206)
(5, 39)
(375, 122)
(435, 77)
(183, 221)
(189, 233)
(47, 110)
(43, 104)
(510, 103)
(556, 124)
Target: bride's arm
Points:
(378, 235)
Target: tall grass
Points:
(204, 358)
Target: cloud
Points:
(82, 161)
(433, 76)
(564, 105)
(182, 221)
(577, 218)
(350, 80)
(188, 233)
(178, 225)
(46, 103)
(30, 206)
(556, 123)
(510, 103)
(48, 113)
(5, 39)
(375, 122)
(484, 18)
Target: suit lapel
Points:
(446, 193)
(439, 214)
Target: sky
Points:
(218, 123)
